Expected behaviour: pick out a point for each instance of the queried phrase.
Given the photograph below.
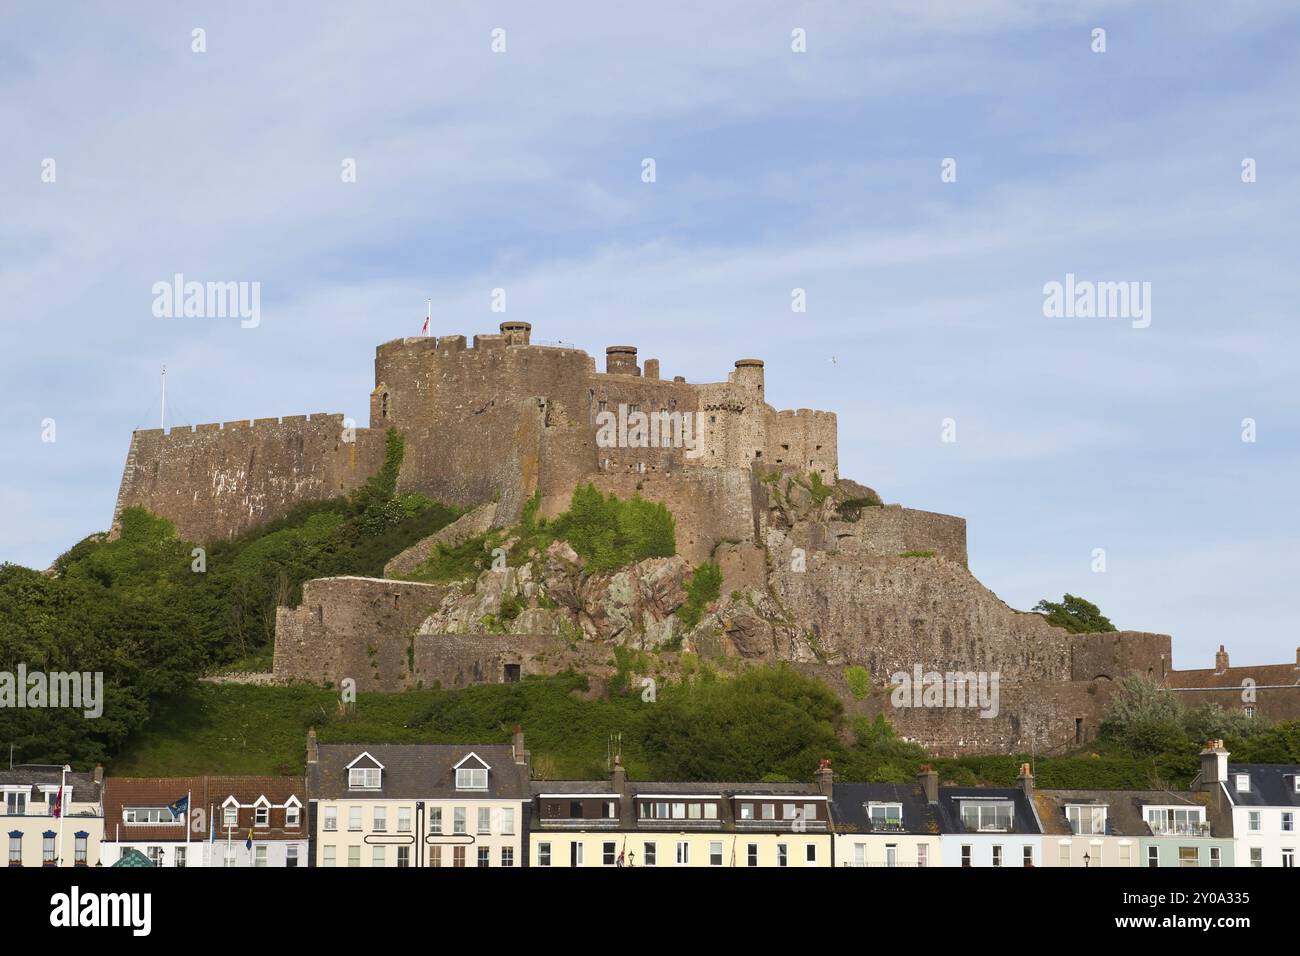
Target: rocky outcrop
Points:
(634, 606)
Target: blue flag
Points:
(179, 806)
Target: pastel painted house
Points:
(417, 805)
(1264, 803)
(662, 824)
(993, 827)
(888, 824)
(34, 836)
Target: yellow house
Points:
(673, 824)
(42, 828)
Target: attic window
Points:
(885, 815)
(363, 778)
(471, 778)
(1243, 783)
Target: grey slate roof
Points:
(849, 807)
(417, 771)
(84, 788)
(1124, 809)
(1271, 784)
(1023, 820)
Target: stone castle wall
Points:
(366, 630)
(215, 481)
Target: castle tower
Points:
(516, 333)
(749, 374)
(621, 360)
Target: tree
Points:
(1077, 615)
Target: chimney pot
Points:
(825, 778)
(1026, 780)
(928, 778)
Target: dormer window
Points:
(363, 778)
(1243, 783)
(885, 816)
(365, 773)
(1086, 819)
(979, 816)
(1176, 821)
(472, 773)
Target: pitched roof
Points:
(1268, 675)
(417, 771)
(204, 792)
(1271, 784)
(83, 785)
(1023, 820)
(1124, 809)
(850, 814)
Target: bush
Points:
(859, 681)
(702, 588)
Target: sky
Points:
(130, 156)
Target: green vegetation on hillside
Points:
(151, 612)
(767, 723)
(606, 532)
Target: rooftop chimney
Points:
(1214, 765)
(826, 779)
(1026, 780)
(928, 778)
(522, 756)
(313, 750)
(1220, 660)
(618, 776)
(98, 775)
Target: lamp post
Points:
(1087, 860)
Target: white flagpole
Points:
(188, 795)
(162, 415)
(428, 315)
(63, 789)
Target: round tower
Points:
(749, 373)
(621, 360)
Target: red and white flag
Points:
(428, 314)
(58, 804)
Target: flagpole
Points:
(428, 315)
(63, 785)
(188, 794)
(162, 415)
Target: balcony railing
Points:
(1181, 829)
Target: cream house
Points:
(43, 829)
(672, 824)
(887, 824)
(415, 805)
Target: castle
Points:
(816, 570)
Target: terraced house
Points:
(618, 822)
(416, 805)
(228, 821)
(988, 826)
(888, 824)
(43, 829)
(1263, 801)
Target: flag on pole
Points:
(248, 844)
(57, 811)
(428, 314)
(179, 806)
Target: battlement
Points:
(495, 417)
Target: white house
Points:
(1265, 803)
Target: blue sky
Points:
(775, 170)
